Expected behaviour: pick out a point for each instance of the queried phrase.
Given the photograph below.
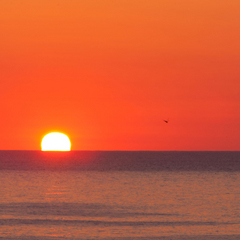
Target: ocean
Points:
(119, 195)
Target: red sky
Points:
(108, 72)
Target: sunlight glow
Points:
(56, 141)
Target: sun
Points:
(55, 141)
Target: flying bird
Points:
(166, 121)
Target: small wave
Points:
(11, 222)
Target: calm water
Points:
(95, 201)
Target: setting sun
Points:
(56, 141)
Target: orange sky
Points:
(108, 72)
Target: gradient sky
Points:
(108, 72)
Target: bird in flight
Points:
(166, 121)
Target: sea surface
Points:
(119, 195)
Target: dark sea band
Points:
(120, 160)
